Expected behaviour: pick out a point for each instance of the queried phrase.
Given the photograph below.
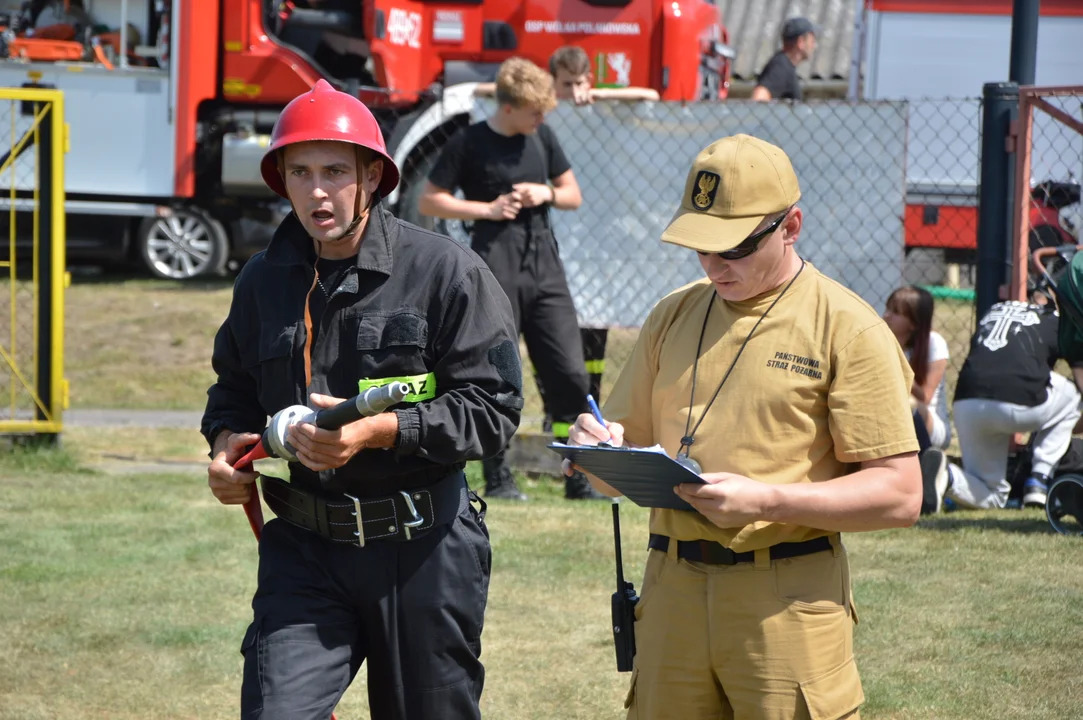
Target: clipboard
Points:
(646, 477)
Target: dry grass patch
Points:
(146, 344)
(136, 444)
(142, 343)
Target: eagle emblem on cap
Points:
(707, 184)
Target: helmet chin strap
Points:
(360, 214)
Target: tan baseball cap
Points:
(733, 185)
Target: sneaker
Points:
(499, 481)
(1034, 492)
(934, 480)
(577, 487)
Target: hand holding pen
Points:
(592, 429)
(596, 413)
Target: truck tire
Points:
(189, 244)
(411, 192)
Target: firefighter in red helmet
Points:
(377, 551)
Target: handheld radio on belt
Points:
(624, 605)
(273, 443)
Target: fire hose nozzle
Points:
(371, 402)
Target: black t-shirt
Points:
(485, 164)
(1011, 355)
(779, 76)
(331, 275)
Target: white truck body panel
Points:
(928, 57)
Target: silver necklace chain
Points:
(319, 282)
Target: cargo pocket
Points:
(631, 696)
(250, 637)
(476, 539)
(270, 363)
(468, 582)
(377, 332)
(252, 678)
(849, 587)
(813, 584)
(393, 345)
(652, 574)
(835, 694)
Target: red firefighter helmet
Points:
(324, 113)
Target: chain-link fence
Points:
(1049, 164)
(941, 224)
(889, 194)
(32, 262)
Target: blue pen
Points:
(597, 416)
(594, 410)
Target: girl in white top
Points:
(909, 314)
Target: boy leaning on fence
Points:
(570, 67)
(511, 170)
(573, 80)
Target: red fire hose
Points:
(272, 444)
(253, 508)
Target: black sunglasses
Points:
(751, 243)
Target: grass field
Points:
(126, 596)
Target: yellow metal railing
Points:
(32, 349)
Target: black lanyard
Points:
(689, 431)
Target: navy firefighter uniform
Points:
(409, 306)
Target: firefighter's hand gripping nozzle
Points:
(371, 402)
(273, 442)
(624, 605)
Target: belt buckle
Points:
(716, 553)
(360, 532)
(415, 520)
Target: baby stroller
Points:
(1060, 275)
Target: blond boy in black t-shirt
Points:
(511, 170)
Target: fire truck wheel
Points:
(407, 208)
(189, 244)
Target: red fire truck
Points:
(168, 120)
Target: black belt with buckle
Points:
(713, 553)
(348, 519)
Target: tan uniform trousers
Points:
(770, 640)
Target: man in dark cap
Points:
(778, 79)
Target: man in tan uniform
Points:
(791, 393)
